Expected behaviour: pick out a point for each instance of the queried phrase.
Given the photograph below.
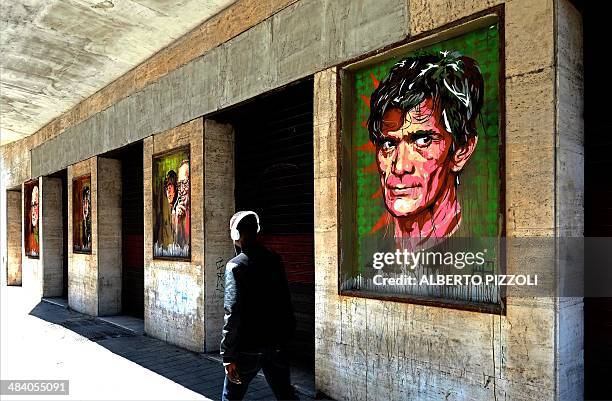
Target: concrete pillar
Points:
(109, 236)
(370, 348)
(31, 266)
(83, 268)
(51, 234)
(94, 280)
(219, 180)
(14, 233)
(569, 190)
(174, 289)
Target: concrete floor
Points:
(42, 340)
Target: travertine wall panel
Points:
(366, 348)
(219, 207)
(51, 236)
(174, 290)
(83, 268)
(570, 199)
(31, 268)
(109, 236)
(14, 232)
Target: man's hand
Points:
(231, 371)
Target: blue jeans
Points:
(275, 365)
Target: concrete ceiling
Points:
(55, 53)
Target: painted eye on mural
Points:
(387, 145)
(422, 140)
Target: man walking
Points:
(259, 318)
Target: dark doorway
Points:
(132, 228)
(274, 177)
(597, 197)
(63, 294)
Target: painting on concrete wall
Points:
(171, 205)
(81, 214)
(427, 170)
(31, 221)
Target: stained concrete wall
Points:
(83, 268)
(570, 198)
(373, 349)
(174, 290)
(219, 205)
(109, 236)
(14, 233)
(31, 268)
(51, 234)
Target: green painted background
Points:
(479, 190)
(161, 211)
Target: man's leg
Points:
(276, 369)
(248, 365)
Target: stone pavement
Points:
(192, 371)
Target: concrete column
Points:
(31, 266)
(174, 290)
(14, 234)
(83, 268)
(51, 234)
(219, 180)
(569, 353)
(109, 236)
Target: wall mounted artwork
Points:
(81, 214)
(171, 205)
(31, 219)
(426, 164)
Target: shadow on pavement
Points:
(194, 371)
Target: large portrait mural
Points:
(81, 214)
(31, 221)
(426, 157)
(171, 205)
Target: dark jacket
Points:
(258, 309)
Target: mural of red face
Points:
(413, 159)
(34, 206)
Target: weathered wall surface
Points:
(109, 236)
(219, 207)
(570, 197)
(370, 349)
(83, 268)
(51, 234)
(14, 233)
(174, 290)
(31, 268)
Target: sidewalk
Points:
(69, 345)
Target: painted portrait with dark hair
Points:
(81, 214)
(422, 122)
(31, 220)
(171, 205)
(426, 159)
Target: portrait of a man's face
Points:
(81, 215)
(86, 203)
(171, 205)
(34, 206)
(422, 162)
(31, 219)
(423, 124)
